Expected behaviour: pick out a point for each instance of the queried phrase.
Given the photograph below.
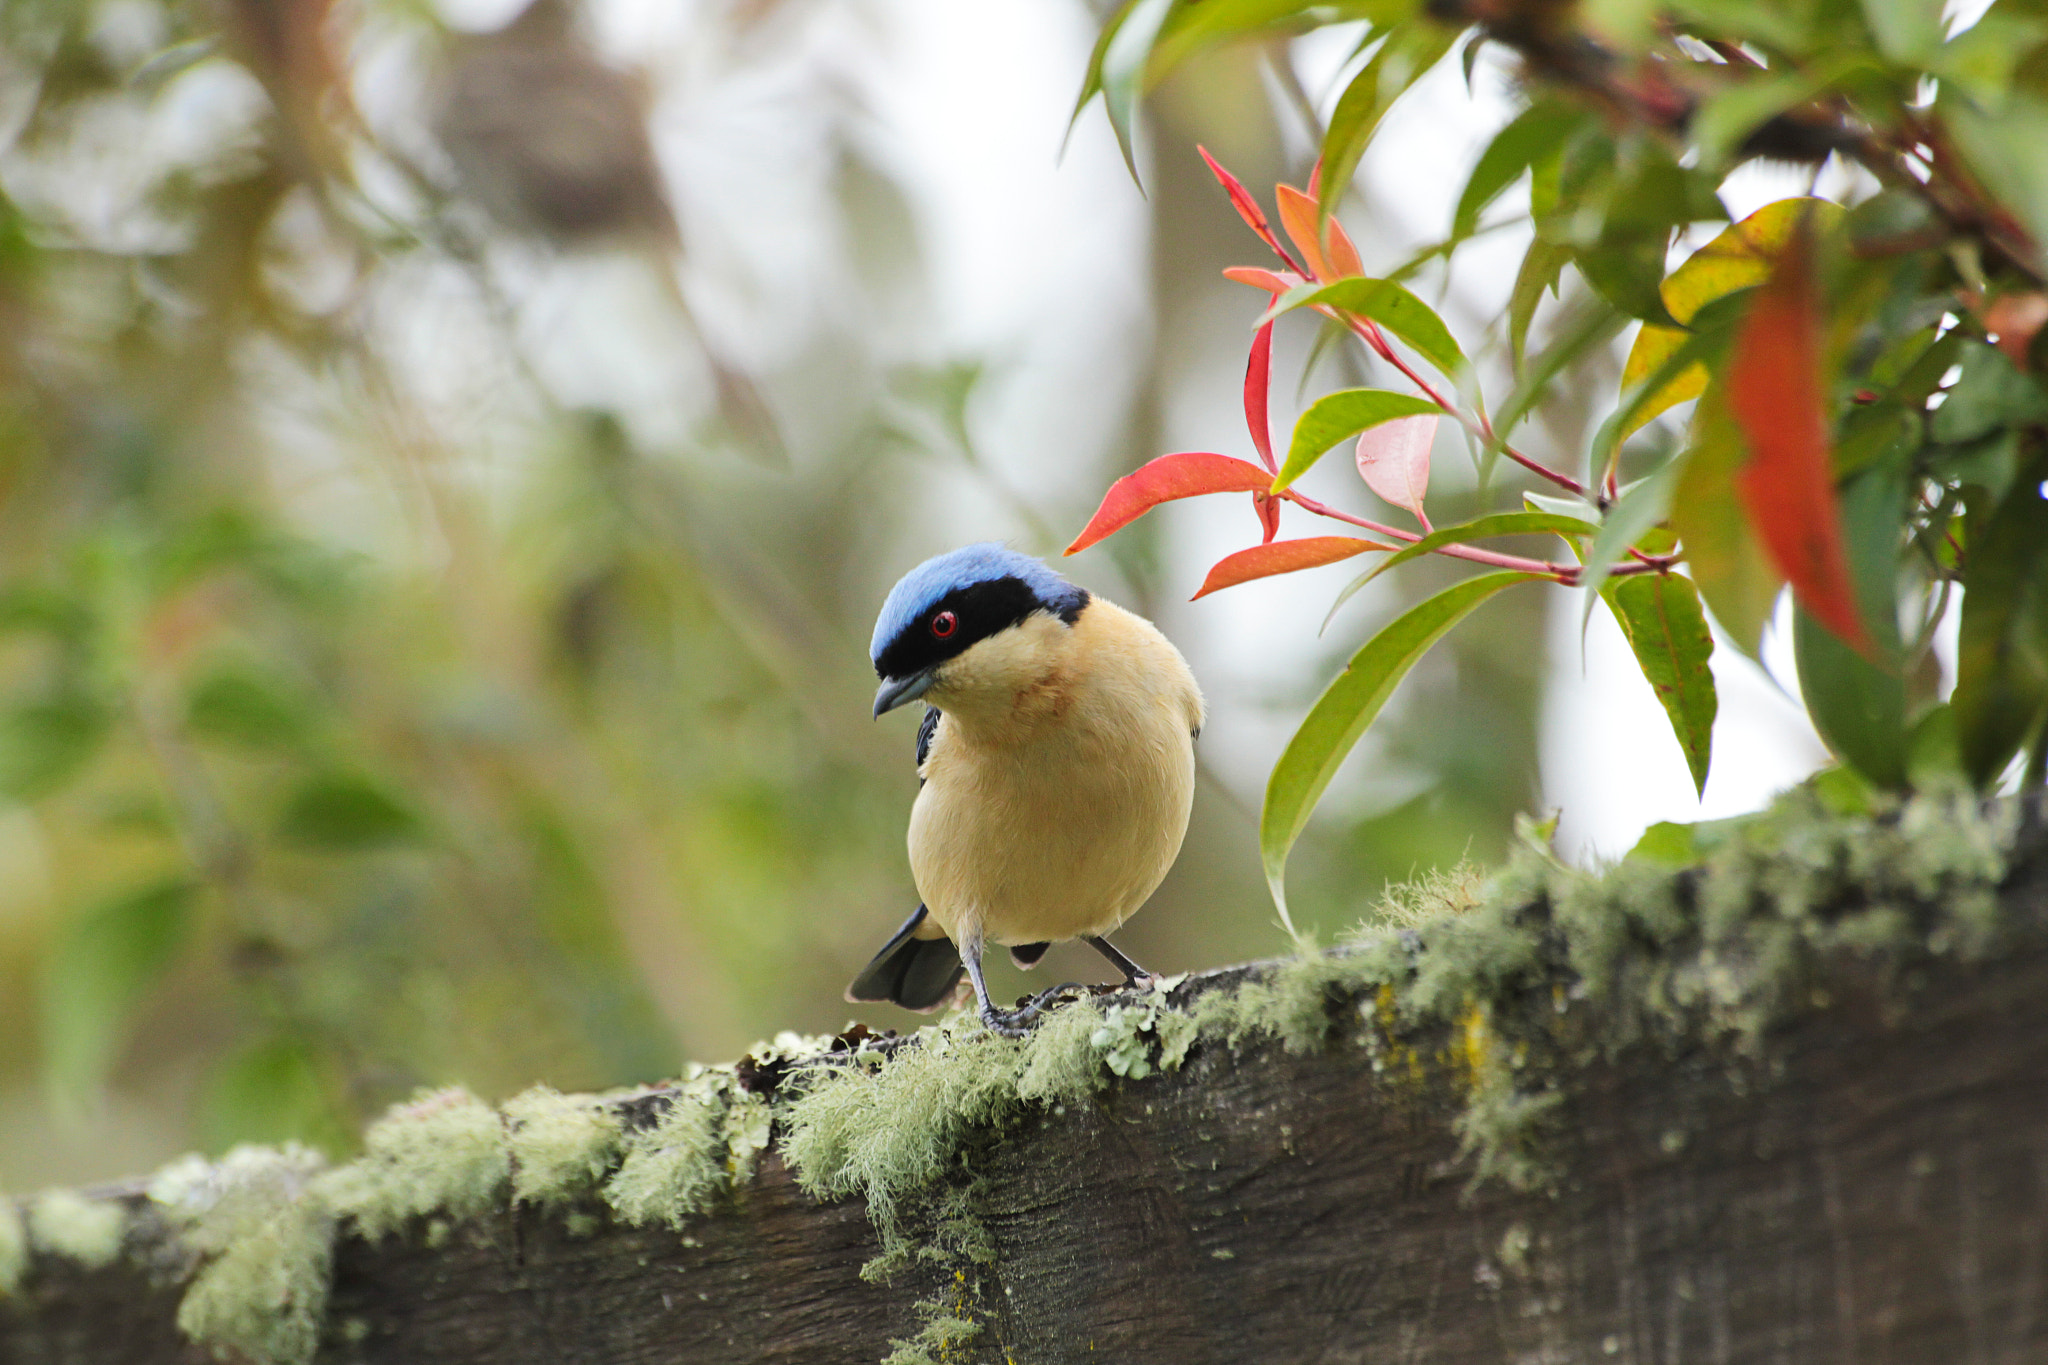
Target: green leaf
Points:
(1858, 708)
(1535, 133)
(1988, 396)
(343, 812)
(1625, 269)
(1990, 464)
(1738, 580)
(1335, 416)
(1192, 27)
(1785, 28)
(1122, 54)
(1907, 31)
(1858, 704)
(1541, 265)
(43, 744)
(244, 705)
(272, 1091)
(1409, 51)
(1934, 752)
(1621, 207)
(1735, 111)
(1642, 505)
(31, 608)
(2001, 690)
(101, 966)
(1386, 303)
(2005, 152)
(1661, 616)
(1342, 713)
(1664, 844)
(1981, 60)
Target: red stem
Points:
(1478, 425)
(1567, 574)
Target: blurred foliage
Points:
(1869, 420)
(371, 714)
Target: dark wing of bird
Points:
(916, 973)
(926, 728)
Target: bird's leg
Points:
(1010, 1023)
(1134, 975)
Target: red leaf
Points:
(2013, 319)
(1258, 375)
(1247, 207)
(1283, 556)
(1268, 508)
(1393, 459)
(1298, 215)
(1338, 248)
(1187, 474)
(1778, 395)
(1272, 281)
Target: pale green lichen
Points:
(938, 1342)
(444, 1152)
(946, 1332)
(674, 1169)
(1434, 895)
(268, 1244)
(561, 1145)
(88, 1231)
(748, 1127)
(13, 1247)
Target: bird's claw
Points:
(1017, 1023)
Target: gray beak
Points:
(894, 692)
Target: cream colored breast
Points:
(1060, 781)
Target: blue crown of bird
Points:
(1056, 772)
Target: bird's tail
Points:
(916, 973)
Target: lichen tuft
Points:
(947, 1329)
(442, 1152)
(673, 1169)
(88, 1231)
(561, 1145)
(268, 1244)
(886, 1133)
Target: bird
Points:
(1056, 767)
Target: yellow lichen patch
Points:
(1471, 1049)
(88, 1231)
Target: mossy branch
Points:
(1476, 1036)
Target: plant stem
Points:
(1478, 424)
(1566, 574)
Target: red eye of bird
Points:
(944, 624)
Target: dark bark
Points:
(1879, 1192)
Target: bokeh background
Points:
(450, 459)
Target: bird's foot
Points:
(1017, 1023)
